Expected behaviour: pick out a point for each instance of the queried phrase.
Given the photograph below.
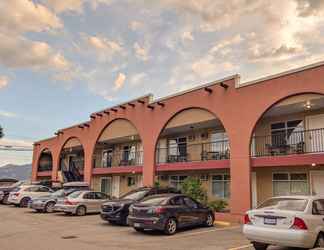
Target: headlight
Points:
(131, 209)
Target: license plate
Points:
(270, 221)
(137, 225)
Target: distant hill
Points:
(20, 172)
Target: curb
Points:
(222, 223)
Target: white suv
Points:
(23, 194)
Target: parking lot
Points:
(25, 229)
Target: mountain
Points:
(20, 172)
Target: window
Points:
(131, 181)
(177, 146)
(177, 180)
(221, 185)
(100, 196)
(177, 201)
(289, 184)
(89, 196)
(190, 203)
(286, 133)
(107, 158)
(43, 189)
(290, 204)
(318, 207)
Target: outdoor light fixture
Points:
(123, 107)
(86, 125)
(92, 117)
(225, 86)
(313, 164)
(141, 101)
(131, 104)
(209, 90)
(99, 114)
(115, 110)
(150, 107)
(308, 105)
(161, 104)
(106, 112)
(80, 126)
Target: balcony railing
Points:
(45, 167)
(119, 158)
(287, 143)
(194, 152)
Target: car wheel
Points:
(24, 202)
(49, 208)
(5, 200)
(209, 220)
(81, 211)
(170, 226)
(141, 230)
(259, 246)
(320, 241)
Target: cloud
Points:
(7, 114)
(4, 81)
(19, 52)
(226, 43)
(141, 52)
(138, 79)
(135, 25)
(310, 7)
(20, 16)
(60, 6)
(187, 35)
(119, 82)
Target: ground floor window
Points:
(131, 181)
(106, 185)
(177, 180)
(221, 185)
(290, 184)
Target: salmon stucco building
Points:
(245, 141)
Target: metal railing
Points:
(119, 158)
(287, 143)
(193, 152)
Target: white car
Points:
(23, 194)
(288, 221)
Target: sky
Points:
(62, 60)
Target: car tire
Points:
(81, 211)
(209, 222)
(170, 226)
(141, 230)
(24, 202)
(259, 246)
(49, 208)
(5, 200)
(319, 241)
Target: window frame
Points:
(223, 181)
(319, 214)
(289, 180)
(179, 182)
(286, 128)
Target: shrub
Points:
(217, 205)
(193, 188)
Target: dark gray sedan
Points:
(168, 213)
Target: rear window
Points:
(75, 194)
(154, 201)
(135, 195)
(290, 204)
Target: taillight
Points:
(299, 224)
(16, 194)
(159, 210)
(247, 220)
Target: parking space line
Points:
(206, 231)
(241, 247)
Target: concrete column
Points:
(56, 164)
(149, 163)
(35, 163)
(87, 172)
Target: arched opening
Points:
(118, 146)
(45, 162)
(71, 161)
(195, 139)
(293, 129)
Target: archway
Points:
(294, 128)
(119, 146)
(195, 139)
(71, 163)
(45, 161)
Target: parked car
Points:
(116, 211)
(294, 221)
(5, 190)
(46, 203)
(81, 202)
(21, 195)
(168, 213)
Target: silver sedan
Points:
(81, 203)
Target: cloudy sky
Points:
(62, 60)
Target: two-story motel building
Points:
(246, 142)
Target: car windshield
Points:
(58, 193)
(135, 195)
(75, 194)
(154, 201)
(290, 204)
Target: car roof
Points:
(167, 195)
(76, 184)
(299, 197)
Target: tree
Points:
(1, 132)
(193, 188)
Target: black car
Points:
(46, 203)
(169, 212)
(5, 190)
(116, 211)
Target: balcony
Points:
(288, 143)
(45, 167)
(118, 159)
(215, 150)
